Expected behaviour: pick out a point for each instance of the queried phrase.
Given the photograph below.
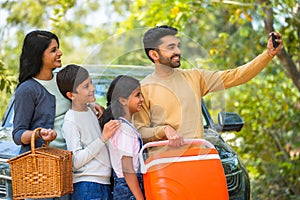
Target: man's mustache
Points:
(175, 55)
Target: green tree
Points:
(270, 108)
(7, 80)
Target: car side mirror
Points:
(229, 122)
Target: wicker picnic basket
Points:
(43, 172)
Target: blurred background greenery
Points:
(217, 35)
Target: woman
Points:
(38, 101)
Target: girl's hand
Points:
(131, 177)
(109, 129)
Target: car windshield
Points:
(7, 120)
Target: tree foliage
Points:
(270, 108)
(7, 80)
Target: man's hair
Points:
(152, 37)
(70, 77)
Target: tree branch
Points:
(283, 56)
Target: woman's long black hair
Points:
(34, 46)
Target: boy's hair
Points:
(152, 37)
(121, 86)
(70, 77)
(31, 59)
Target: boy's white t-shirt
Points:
(124, 142)
(90, 154)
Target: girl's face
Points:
(135, 101)
(84, 93)
(51, 56)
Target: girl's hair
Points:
(121, 86)
(34, 46)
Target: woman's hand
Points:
(98, 109)
(48, 135)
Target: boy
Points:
(81, 130)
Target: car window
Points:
(8, 116)
(9, 121)
(205, 123)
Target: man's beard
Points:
(168, 61)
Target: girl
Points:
(124, 98)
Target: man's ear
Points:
(154, 55)
(69, 95)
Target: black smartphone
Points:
(275, 44)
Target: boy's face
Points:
(84, 93)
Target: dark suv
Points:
(236, 175)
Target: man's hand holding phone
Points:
(274, 44)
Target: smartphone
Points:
(275, 44)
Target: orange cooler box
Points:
(193, 173)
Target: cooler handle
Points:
(186, 141)
(166, 142)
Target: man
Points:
(172, 96)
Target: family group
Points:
(165, 105)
